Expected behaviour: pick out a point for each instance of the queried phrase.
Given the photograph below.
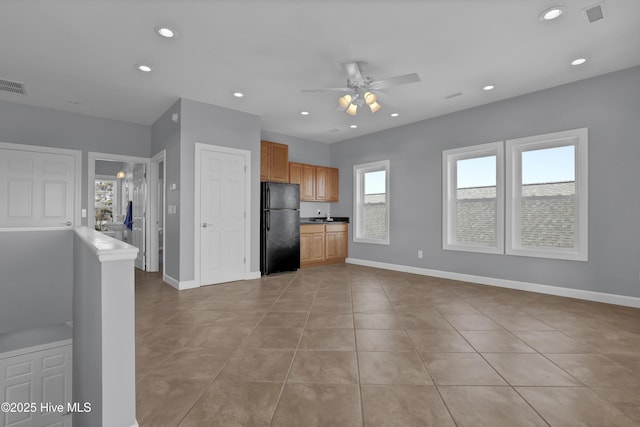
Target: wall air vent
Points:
(453, 95)
(8, 86)
(594, 13)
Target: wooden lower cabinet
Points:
(311, 243)
(322, 244)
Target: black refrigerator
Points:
(279, 227)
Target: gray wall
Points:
(208, 124)
(165, 135)
(103, 333)
(109, 168)
(608, 105)
(36, 279)
(87, 333)
(23, 124)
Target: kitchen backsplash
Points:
(308, 209)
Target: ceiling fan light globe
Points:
(369, 98)
(375, 106)
(352, 109)
(344, 101)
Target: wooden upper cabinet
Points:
(321, 183)
(265, 160)
(308, 184)
(317, 183)
(295, 173)
(274, 162)
(333, 185)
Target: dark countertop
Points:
(323, 220)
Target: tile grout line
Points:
(295, 352)
(355, 345)
(511, 386)
(435, 386)
(231, 356)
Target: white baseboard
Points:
(504, 283)
(186, 284)
(253, 275)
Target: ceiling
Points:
(80, 55)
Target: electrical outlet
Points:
(420, 253)
(318, 212)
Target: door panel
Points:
(222, 217)
(139, 213)
(37, 189)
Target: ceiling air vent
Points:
(453, 95)
(16, 88)
(594, 13)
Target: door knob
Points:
(68, 223)
(204, 225)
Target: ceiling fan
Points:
(361, 89)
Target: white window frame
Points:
(358, 200)
(449, 195)
(514, 149)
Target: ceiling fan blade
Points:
(395, 81)
(329, 89)
(353, 70)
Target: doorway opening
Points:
(118, 200)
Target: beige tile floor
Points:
(351, 346)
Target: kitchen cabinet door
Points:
(312, 244)
(308, 185)
(279, 162)
(321, 183)
(295, 173)
(336, 242)
(274, 162)
(265, 160)
(333, 184)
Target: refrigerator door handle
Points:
(268, 197)
(268, 220)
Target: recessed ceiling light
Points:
(353, 126)
(488, 87)
(166, 32)
(551, 13)
(304, 113)
(578, 61)
(394, 114)
(143, 68)
(238, 94)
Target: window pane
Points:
(476, 200)
(371, 203)
(547, 208)
(374, 182)
(375, 221)
(548, 222)
(548, 165)
(375, 209)
(104, 203)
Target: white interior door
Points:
(37, 189)
(139, 213)
(222, 216)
